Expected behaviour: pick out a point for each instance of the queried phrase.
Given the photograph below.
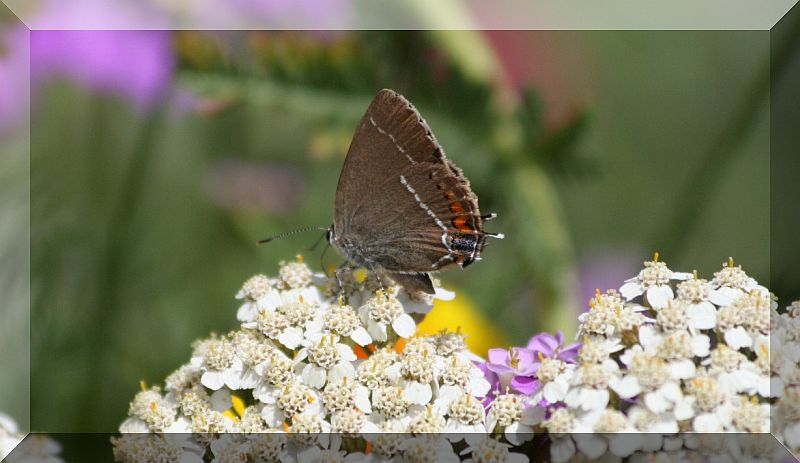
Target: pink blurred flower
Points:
(137, 65)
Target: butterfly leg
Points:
(338, 273)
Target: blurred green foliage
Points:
(133, 258)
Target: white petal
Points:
(346, 353)
(649, 338)
(702, 316)
(340, 370)
(447, 394)
(247, 312)
(590, 445)
(706, 422)
(684, 409)
(738, 338)
(594, 399)
(555, 391)
(671, 391)
(314, 375)
(220, 400)
(533, 415)
(479, 387)
(774, 387)
(444, 294)
(272, 415)
(213, 379)
(624, 445)
(362, 399)
(631, 289)
(680, 275)
(404, 326)
(792, 435)
(744, 381)
(376, 330)
(626, 387)
(291, 337)
(360, 336)
(656, 402)
(418, 393)
(724, 295)
(517, 434)
(393, 371)
(314, 326)
(561, 450)
(658, 296)
(701, 345)
(232, 378)
(270, 301)
(682, 369)
(249, 379)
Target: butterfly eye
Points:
(329, 234)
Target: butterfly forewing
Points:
(400, 203)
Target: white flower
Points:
(429, 448)
(465, 416)
(289, 400)
(328, 360)
(643, 419)
(382, 311)
(653, 282)
(341, 319)
(418, 368)
(589, 385)
(730, 283)
(693, 294)
(488, 450)
(275, 372)
(456, 372)
(421, 302)
(220, 366)
(256, 292)
(512, 414)
(610, 317)
(230, 447)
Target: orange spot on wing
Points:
(462, 223)
(456, 208)
(368, 448)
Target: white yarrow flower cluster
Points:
(314, 374)
(666, 366)
(672, 353)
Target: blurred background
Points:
(158, 158)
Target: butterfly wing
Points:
(400, 202)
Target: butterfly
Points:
(402, 208)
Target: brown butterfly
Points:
(402, 208)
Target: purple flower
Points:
(136, 64)
(494, 383)
(515, 367)
(549, 346)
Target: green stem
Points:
(118, 239)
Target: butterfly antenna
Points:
(289, 233)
